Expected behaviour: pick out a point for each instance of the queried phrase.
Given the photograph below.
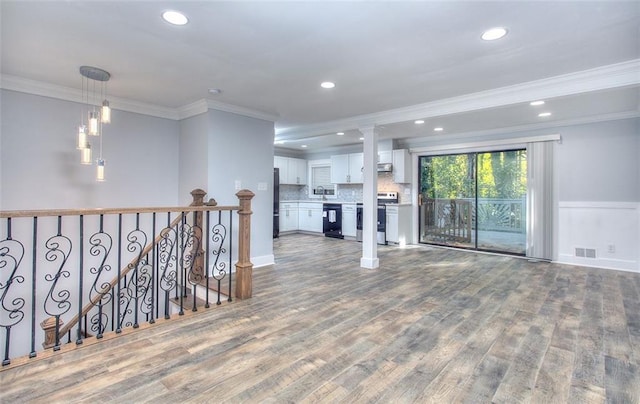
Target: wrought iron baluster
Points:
(229, 299)
(81, 280)
(99, 294)
(119, 309)
(34, 265)
(154, 275)
(206, 265)
(11, 254)
(167, 262)
(191, 245)
(181, 265)
(57, 301)
(219, 267)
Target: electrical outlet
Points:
(238, 185)
(611, 248)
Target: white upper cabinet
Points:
(292, 170)
(401, 166)
(356, 168)
(297, 171)
(385, 157)
(347, 168)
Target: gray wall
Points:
(150, 161)
(241, 150)
(599, 162)
(194, 156)
(40, 166)
(218, 149)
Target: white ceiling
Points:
(392, 61)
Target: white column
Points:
(370, 200)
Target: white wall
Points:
(41, 167)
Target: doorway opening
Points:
(474, 200)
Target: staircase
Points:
(84, 273)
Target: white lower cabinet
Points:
(310, 217)
(398, 224)
(289, 216)
(349, 219)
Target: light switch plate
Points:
(238, 185)
(262, 186)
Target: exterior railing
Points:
(493, 214)
(83, 273)
(455, 220)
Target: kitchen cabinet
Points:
(398, 224)
(349, 219)
(401, 166)
(292, 170)
(347, 168)
(310, 217)
(385, 157)
(288, 216)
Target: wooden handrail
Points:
(109, 211)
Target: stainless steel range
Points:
(383, 199)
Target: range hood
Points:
(385, 167)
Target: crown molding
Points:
(204, 105)
(417, 142)
(16, 83)
(617, 75)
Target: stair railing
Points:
(59, 266)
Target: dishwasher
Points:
(332, 220)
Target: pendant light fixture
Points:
(97, 112)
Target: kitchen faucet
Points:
(320, 188)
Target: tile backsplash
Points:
(347, 192)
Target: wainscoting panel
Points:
(599, 234)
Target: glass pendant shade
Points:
(85, 155)
(105, 113)
(100, 170)
(82, 137)
(98, 114)
(93, 123)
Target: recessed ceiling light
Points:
(278, 141)
(304, 146)
(418, 122)
(438, 129)
(536, 103)
(543, 114)
(175, 17)
(361, 138)
(340, 133)
(494, 33)
(215, 91)
(327, 84)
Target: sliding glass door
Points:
(475, 200)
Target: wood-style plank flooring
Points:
(430, 325)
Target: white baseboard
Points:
(370, 263)
(263, 260)
(604, 263)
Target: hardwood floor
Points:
(430, 325)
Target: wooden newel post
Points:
(198, 250)
(50, 329)
(244, 267)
